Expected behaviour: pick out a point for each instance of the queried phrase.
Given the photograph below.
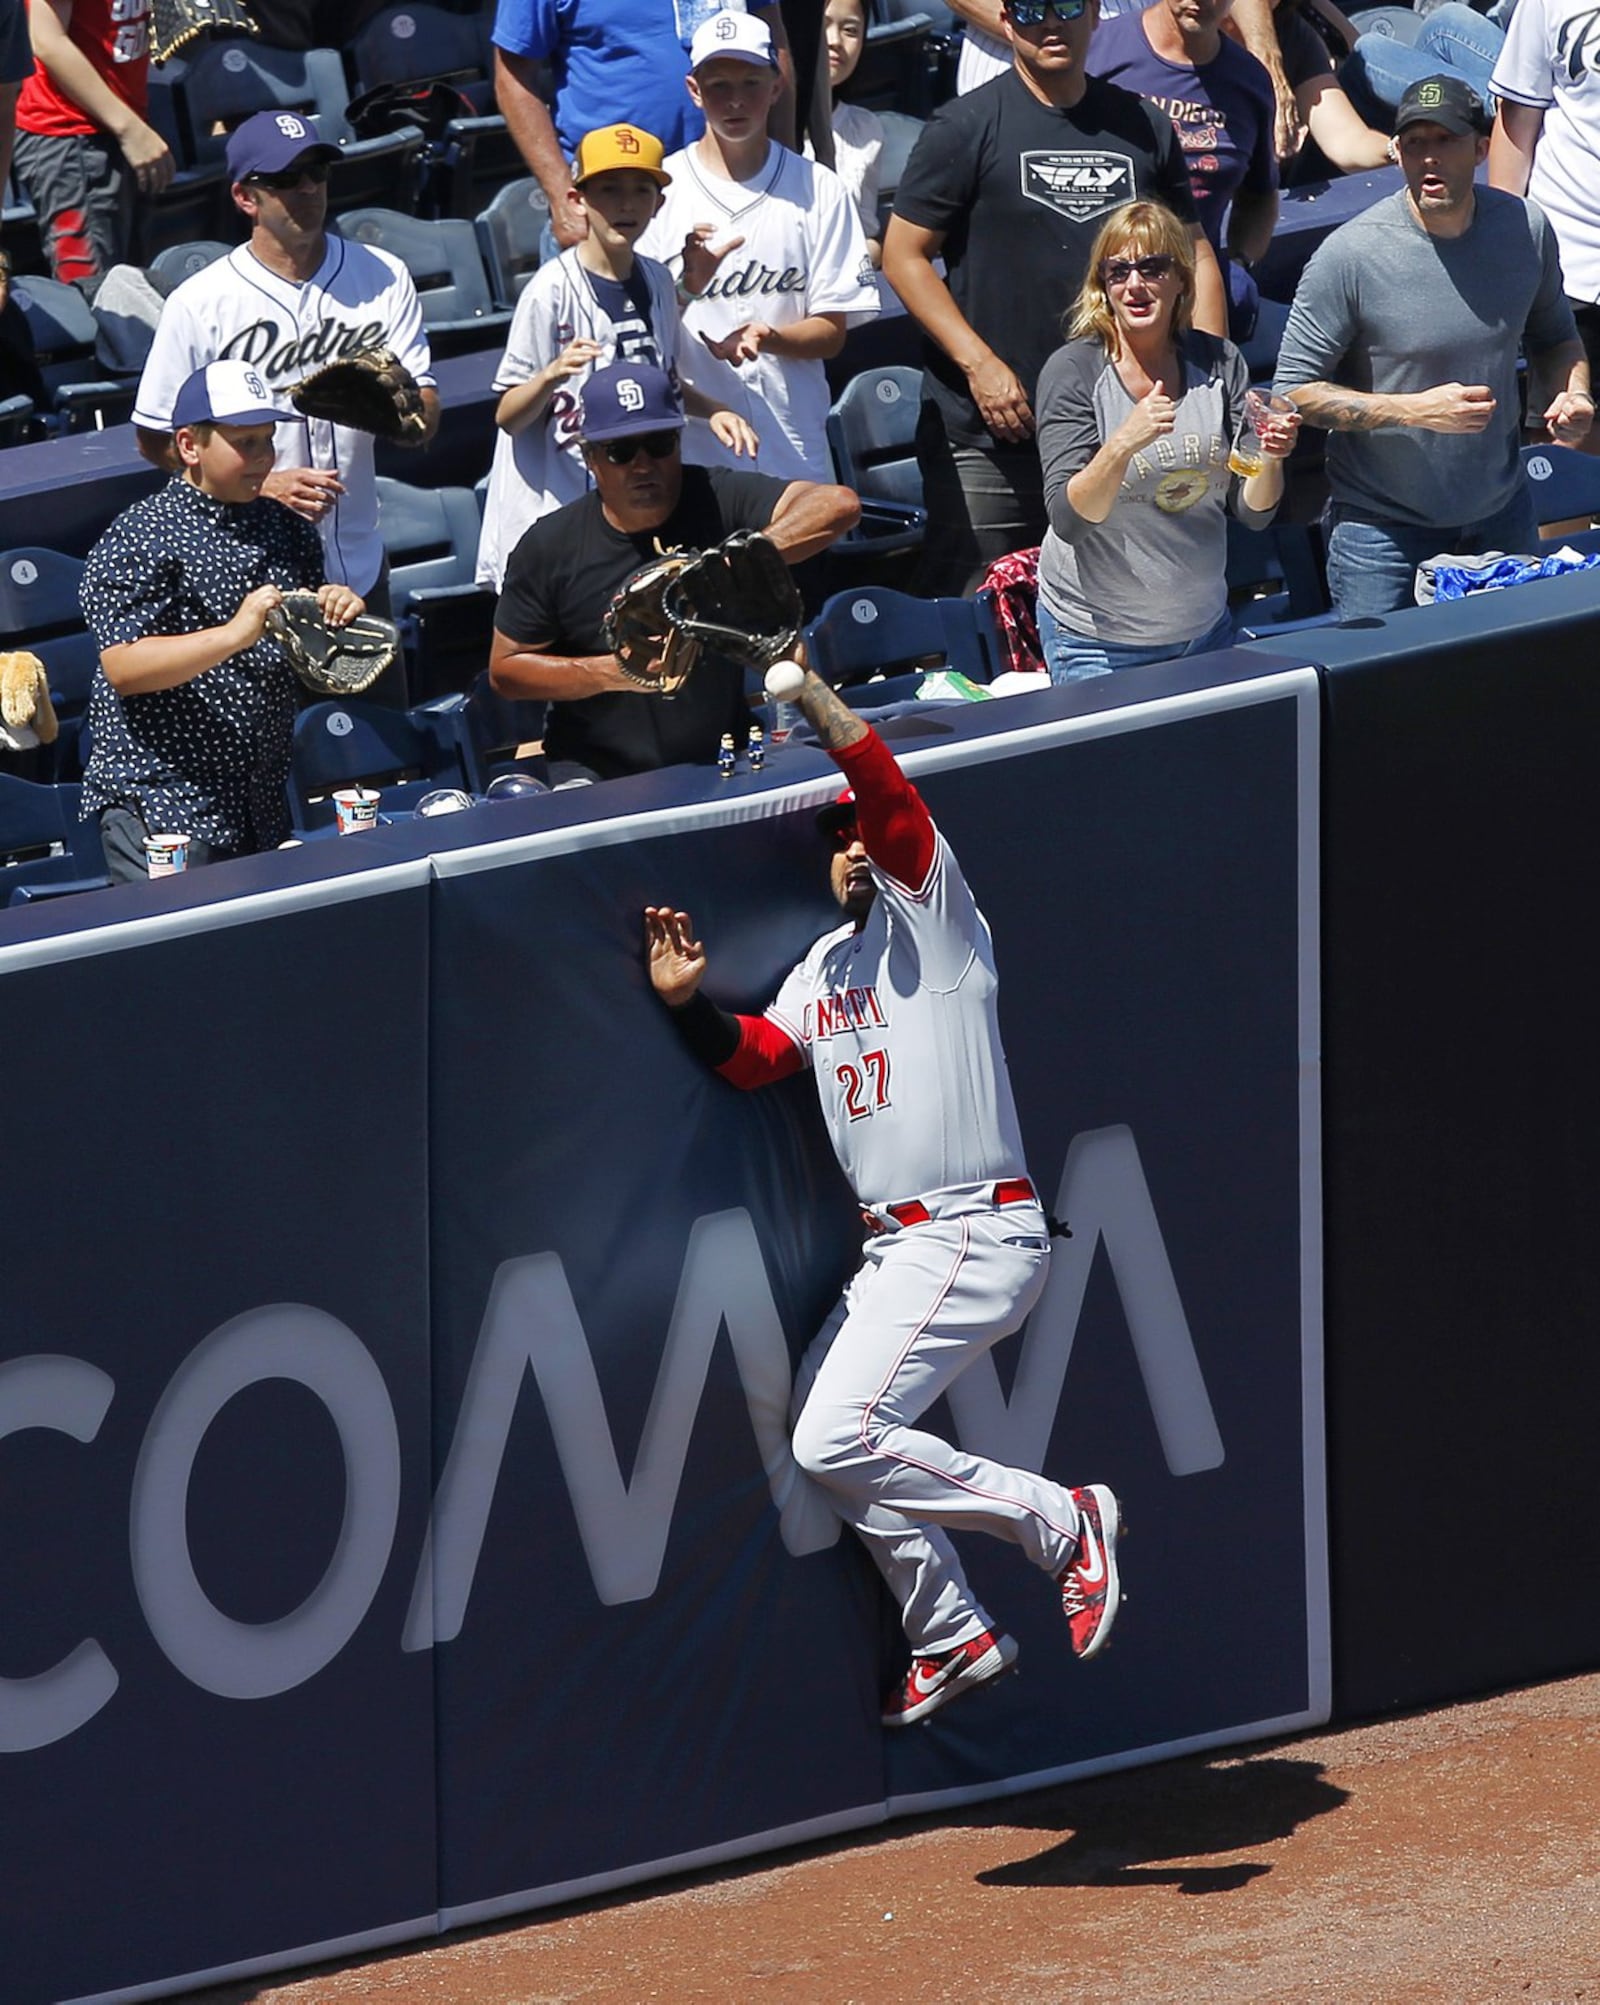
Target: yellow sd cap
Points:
(609, 147)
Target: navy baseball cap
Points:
(227, 393)
(627, 398)
(269, 141)
(1447, 101)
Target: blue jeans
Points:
(1382, 67)
(1072, 657)
(1372, 566)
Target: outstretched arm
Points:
(895, 826)
(747, 1050)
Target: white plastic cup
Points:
(165, 855)
(355, 809)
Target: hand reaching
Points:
(677, 959)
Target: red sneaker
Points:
(934, 1681)
(1090, 1590)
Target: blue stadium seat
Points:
(872, 430)
(447, 268)
(230, 80)
(415, 43)
(40, 613)
(876, 631)
(490, 732)
(82, 397)
(348, 743)
(509, 231)
(46, 851)
(431, 537)
(1565, 484)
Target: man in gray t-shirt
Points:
(1402, 343)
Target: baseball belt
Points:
(1011, 1190)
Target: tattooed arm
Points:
(1451, 407)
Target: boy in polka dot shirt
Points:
(192, 714)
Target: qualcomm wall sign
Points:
(532, 1324)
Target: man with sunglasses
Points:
(1009, 186)
(549, 640)
(294, 296)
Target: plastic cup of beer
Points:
(165, 855)
(1247, 455)
(355, 809)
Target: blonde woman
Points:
(1139, 416)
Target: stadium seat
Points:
(230, 80)
(348, 743)
(900, 134)
(894, 72)
(82, 397)
(16, 419)
(492, 732)
(417, 44)
(1565, 485)
(875, 631)
(46, 850)
(170, 267)
(431, 536)
(40, 613)
(509, 233)
(447, 268)
(872, 431)
(196, 203)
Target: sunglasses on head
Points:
(622, 452)
(1118, 271)
(1031, 13)
(291, 177)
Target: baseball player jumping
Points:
(895, 1012)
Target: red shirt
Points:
(115, 36)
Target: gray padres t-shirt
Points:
(1154, 571)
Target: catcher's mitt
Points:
(174, 23)
(370, 391)
(333, 661)
(27, 716)
(738, 599)
(650, 650)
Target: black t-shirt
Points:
(1019, 190)
(559, 582)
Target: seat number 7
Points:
(866, 1086)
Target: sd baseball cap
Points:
(610, 147)
(227, 393)
(269, 141)
(1447, 101)
(741, 36)
(627, 398)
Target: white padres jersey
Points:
(803, 253)
(900, 1024)
(1551, 63)
(541, 468)
(238, 310)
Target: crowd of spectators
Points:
(1072, 235)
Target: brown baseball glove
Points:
(370, 391)
(175, 23)
(652, 652)
(27, 716)
(333, 661)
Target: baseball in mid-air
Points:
(785, 680)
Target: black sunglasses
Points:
(1031, 13)
(1118, 271)
(291, 177)
(623, 452)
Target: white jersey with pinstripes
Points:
(803, 253)
(236, 309)
(900, 1024)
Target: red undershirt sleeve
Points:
(764, 1054)
(894, 822)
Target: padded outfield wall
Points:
(393, 1391)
